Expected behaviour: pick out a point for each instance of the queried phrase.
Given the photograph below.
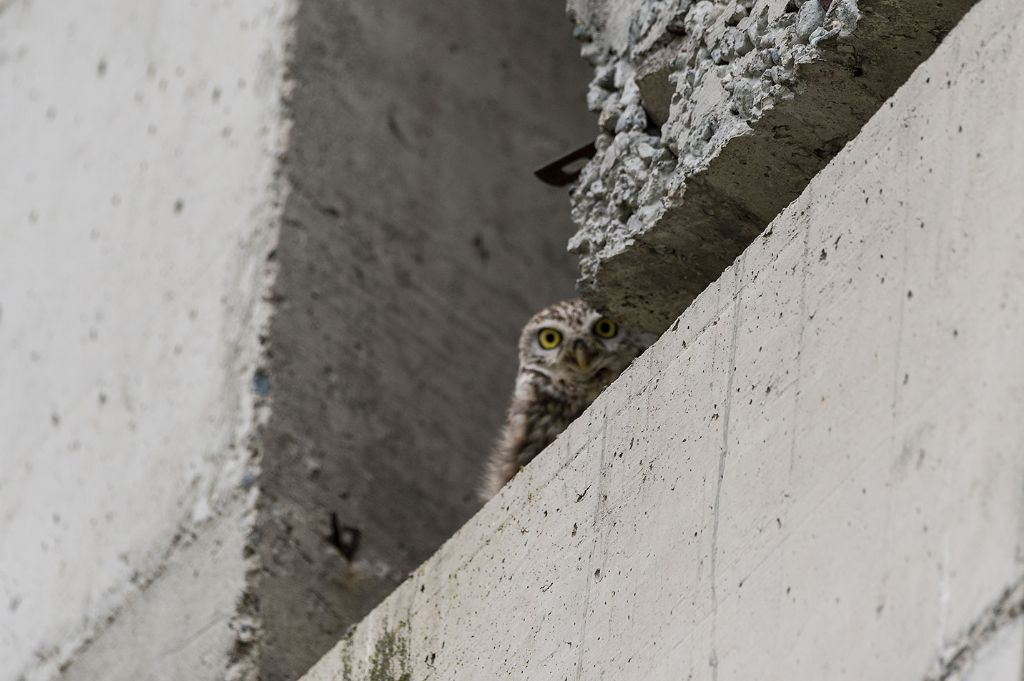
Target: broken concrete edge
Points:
(763, 95)
(722, 67)
(244, 658)
(649, 277)
(237, 485)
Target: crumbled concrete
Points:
(713, 116)
(822, 455)
(140, 142)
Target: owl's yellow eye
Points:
(605, 328)
(549, 338)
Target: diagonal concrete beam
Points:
(815, 473)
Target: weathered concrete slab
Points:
(194, 619)
(166, 162)
(816, 473)
(140, 142)
(714, 116)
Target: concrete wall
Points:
(139, 143)
(264, 266)
(817, 472)
(415, 244)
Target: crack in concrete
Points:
(595, 546)
(726, 414)
(962, 652)
(804, 265)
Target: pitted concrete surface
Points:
(154, 197)
(713, 117)
(140, 142)
(189, 621)
(815, 473)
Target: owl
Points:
(568, 353)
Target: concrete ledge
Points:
(714, 117)
(821, 458)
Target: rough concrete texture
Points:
(713, 116)
(995, 661)
(415, 244)
(189, 621)
(214, 474)
(140, 142)
(815, 473)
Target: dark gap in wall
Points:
(415, 243)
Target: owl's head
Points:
(576, 346)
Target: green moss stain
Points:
(346, 662)
(390, 658)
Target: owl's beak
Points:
(582, 358)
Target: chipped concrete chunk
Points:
(744, 101)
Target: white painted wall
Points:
(139, 142)
(818, 473)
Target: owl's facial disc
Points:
(576, 348)
(576, 353)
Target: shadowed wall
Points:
(414, 245)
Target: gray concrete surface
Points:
(713, 116)
(212, 473)
(815, 473)
(139, 143)
(189, 620)
(415, 244)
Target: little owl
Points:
(568, 353)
